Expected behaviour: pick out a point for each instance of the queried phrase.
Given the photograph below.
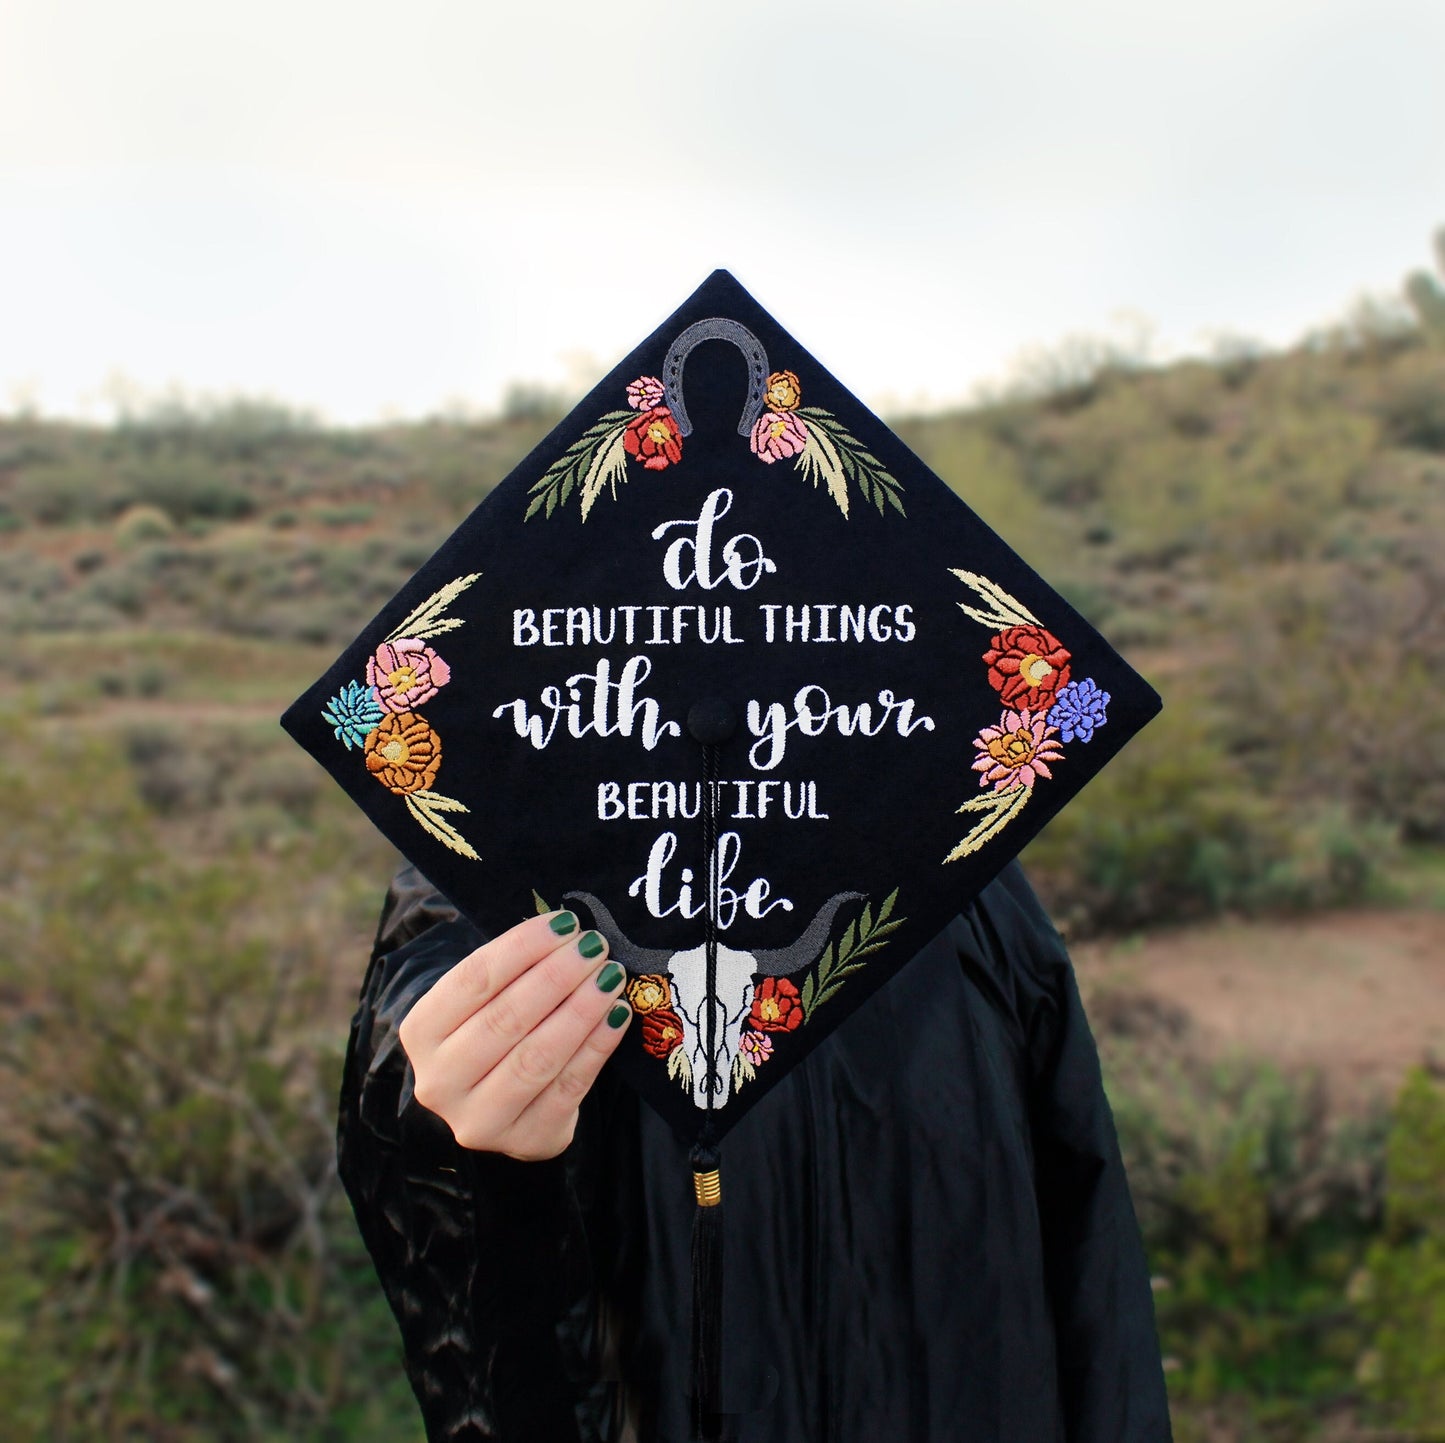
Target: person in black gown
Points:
(928, 1230)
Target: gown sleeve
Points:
(1111, 1379)
(480, 1256)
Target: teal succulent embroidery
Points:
(354, 713)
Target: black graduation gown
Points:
(928, 1233)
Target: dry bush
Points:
(178, 1261)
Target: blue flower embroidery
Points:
(1078, 709)
(355, 713)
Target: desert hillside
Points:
(1254, 892)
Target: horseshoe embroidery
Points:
(715, 329)
(651, 431)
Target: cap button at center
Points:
(712, 721)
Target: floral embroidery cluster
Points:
(778, 1006)
(1044, 708)
(819, 445)
(399, 746)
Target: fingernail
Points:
(619, 1015)
(609, 979)
(591, 944)
(564, 923)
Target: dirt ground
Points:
(1360, 995)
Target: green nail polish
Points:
(609, 979)
(564, 924)
(619, 1015)
(591, 944)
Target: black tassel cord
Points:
(707, 1234)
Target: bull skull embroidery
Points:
(732, 997)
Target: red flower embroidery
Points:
(652, 437)
(1027, 665)
(776, 1006)
(661, 1031)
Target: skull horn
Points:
(635, 959)
(782, 961)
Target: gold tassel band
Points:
(708, 1187)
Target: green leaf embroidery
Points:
(834, 455)
(594, 458)
(862, 937)
(609, 466)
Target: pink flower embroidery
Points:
(757, 1047)
(405, 674)
(644, 393)
(778, 434)
(1016, 752)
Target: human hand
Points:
(505, 1046)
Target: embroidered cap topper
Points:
(726, 668)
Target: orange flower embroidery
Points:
(784, 391)
(404, 753)
(649, 992)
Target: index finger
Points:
(480, 975)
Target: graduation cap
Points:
(723, 664)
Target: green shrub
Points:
(178, 1262)
(1314, 711)
(356, 513)
(32, 590)
(1413, 410)
(1426, 294)
(141, 523)
(61, 493)
(1257, 1204)
(1402, 1290)
(188, 487)
(1174, 830)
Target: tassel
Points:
(707, 1235)
(707, 1248)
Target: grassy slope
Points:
(1260, 538)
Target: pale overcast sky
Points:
(377, 209)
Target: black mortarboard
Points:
(722, 612)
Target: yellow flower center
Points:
(402, 679)
(769, 1009)
(657, 434)
(1034, 669)
(395, 750)
(777, 429)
